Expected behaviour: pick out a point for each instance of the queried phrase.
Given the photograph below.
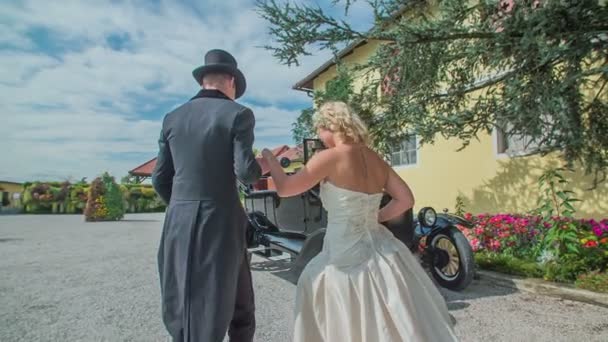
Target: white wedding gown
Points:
(365, 285)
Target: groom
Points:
(204, 146)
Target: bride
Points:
(365, 285)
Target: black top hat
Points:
(220, 61)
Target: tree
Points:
(303, 127)
(338, 89)
(128, 179)
(533, 68)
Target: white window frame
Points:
(509, 154)
(417, 151)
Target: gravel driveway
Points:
(65, 280)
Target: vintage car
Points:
(294, 228)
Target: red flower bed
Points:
(503, 231)
(564, 248)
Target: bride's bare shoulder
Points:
(331, 152)
(327, 155)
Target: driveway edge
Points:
(542, 287)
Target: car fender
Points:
(312, 247)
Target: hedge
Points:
(67, 198)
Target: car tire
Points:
(461, 248)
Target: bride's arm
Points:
(401, 194)
(310, 175)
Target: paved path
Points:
(65, 280)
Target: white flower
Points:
(546, 256)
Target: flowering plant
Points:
(105, 200)
(561, 243)
(518, 233)
(548, 240)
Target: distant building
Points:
(143, 171)
(11, 193)
(294, 154)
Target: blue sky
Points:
(84, 84)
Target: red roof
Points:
(145, 169)
(277, 151)
(292, 153)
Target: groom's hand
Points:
(267, 154)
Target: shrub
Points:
(522, 235)
(517, 235)
(105, 202)
(565, 270)
(77, 198)
(562, 248)
(113, 198)
(38, 197)
(63, 197)
(549, 242)
(148, 192)
(594, 281)
(509, 265)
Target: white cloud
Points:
(72, 105)
(271, 122)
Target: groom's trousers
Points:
(242, 326)
(206, 284)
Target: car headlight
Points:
(427, 216)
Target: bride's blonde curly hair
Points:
(339, 118)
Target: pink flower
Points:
(475, 245)
(503, 235)
(494, 244)
(521, 230)
(507, 5)
(597, 230)
(478, 231)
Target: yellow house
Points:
(10, 194)
(491, 175)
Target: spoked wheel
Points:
(453, 266)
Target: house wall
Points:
(491, 182)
